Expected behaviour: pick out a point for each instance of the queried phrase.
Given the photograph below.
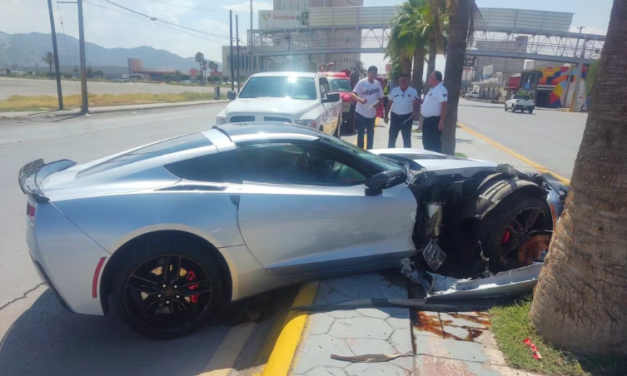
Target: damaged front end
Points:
(491, 222)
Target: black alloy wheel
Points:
(338, 129)
(167, 295)
(515, 232)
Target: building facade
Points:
(553, 87)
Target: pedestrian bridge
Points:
(527, 34)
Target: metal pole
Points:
(579, 74)
(238, 57)
(572, 67)
(81, 40)
(231, 52)
(56, 55)
(250, 35)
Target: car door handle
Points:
(235, 200)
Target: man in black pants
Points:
(433, 113)
(403, 102)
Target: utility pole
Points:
(238, 57)
(81, 40)
(56, 55)
(579, 74)
(572, 66)
(251, 40)
(231, 53)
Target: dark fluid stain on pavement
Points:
(424, 322)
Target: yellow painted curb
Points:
(285, 347)
(513, 153)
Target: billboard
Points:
(488, 70)
(469, 61)
(279, 19)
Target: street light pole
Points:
(55, 51)
(231, 52)
(81, 40)
(579, 75)
(238, 57)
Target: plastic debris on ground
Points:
(534, 349)
(371, 358)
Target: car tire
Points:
(530, 111)
(338, 129)
(505, 108)
(179, 313)
(493, 228)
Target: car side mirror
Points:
(383, 180)
(231, 95)
(331, 98)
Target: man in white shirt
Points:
(433, 113)
(367, 93)
(403, 101)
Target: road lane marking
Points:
(280, 360)
(223, 359)
(513, 153)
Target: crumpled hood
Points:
(295, 107)
(441, 164)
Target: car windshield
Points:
(385, 164)
(302, 88)
(341, 86)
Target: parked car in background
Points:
(520, 102)
(472, 94)
(291, 97)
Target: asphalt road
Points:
(41, 338)
(547, 137)
(17, 86)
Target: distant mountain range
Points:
(25, 49)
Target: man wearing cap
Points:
(367, 93)
(433, 113)
(403, 100)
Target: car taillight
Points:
(30, 212)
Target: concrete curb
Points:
(111, 109)
(285, 347)
(513, 153)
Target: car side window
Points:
(213, 168)
(323, 90)
(290, 163)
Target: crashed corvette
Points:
(170, 231)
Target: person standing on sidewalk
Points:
(367, 93)
(386, 92)
(402, 102)
(434, 113)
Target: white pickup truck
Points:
(520, 102)
(286, 97)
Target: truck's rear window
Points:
(173, 145)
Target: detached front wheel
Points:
(514, 233)
(167, 288)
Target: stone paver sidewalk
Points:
(355, 332)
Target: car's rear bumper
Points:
(66, 260)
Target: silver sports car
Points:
(170, 231)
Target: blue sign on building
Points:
(527, 85)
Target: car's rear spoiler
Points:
(33, 173)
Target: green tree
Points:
(200, 59)
(48, 58)
(90, 72)
(177, 76)
(412, 41)
(581, 297)
(435, 26)
(462, 15)
(591, 77)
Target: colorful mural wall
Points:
(558, 76)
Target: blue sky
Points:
(113, 27)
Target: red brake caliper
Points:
(506, 236)
(191, 276)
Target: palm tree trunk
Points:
(419, 67)
(406, 65)
(455, 54)
(581, 297)
(433, 53)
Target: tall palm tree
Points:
(410, 21)
(400, 48)
(48, 58)
(435, 18)
(581, 297)
(462, 15)
(200, 59)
